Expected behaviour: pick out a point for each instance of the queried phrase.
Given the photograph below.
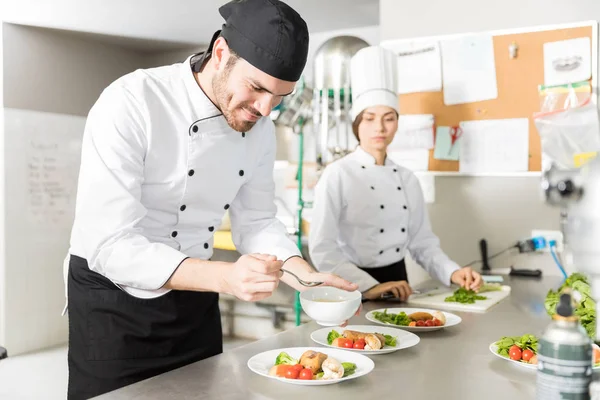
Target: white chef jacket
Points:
(369, 216)
(159, 168)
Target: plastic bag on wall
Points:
(568, 124)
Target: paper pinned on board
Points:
(419, 65)
(494, 146)
(444, 149)
(469, 69)
(414, 132)
(567, 61)
(415, 159)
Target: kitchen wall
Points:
(467, 209)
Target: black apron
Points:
(116, 339)
(389, 273)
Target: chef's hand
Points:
(400, 290)
(332, 280)
(467, 278)
(252, 277)
(304, 271)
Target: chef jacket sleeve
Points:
(423, 244)
(254, 225)
(325, 253)
(109, 193)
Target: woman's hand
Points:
(400, 290)
(467, 278)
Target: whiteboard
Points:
(41, 158)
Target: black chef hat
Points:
(268, 34)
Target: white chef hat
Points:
(374, 79)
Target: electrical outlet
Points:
(557, 236)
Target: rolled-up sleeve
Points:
(424, 245)
(109, 205)
(254, 225)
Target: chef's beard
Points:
(223, 97)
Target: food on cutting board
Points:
(360, 340)
(312, 365)
(524, 349)
(585, 307)
(464, 296)
(419, 319)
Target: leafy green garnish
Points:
(285, 358)
(585, 307)
(332, 336)
(524, 342)
(400, 319)
(464, 296)
(349, 368)
(390, 340)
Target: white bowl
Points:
(330, 306)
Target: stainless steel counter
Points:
(452, 363)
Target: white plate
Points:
(403, 339)
(262, 363)
(494, 350)
(451, 319)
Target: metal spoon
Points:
(302, 282)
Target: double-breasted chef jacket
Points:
(370, 216)
(160, 167)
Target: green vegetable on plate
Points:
(286, 359)
(400, 319)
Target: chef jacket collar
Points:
(365, 158)
(201, 103)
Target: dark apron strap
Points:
(116, 339)
(389, 273)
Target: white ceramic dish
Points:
(520, 364)
(404, 339)
(451, 319)
(330, 306)
(262, 363)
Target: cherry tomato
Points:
(420, 323)
(306, 374)
(596, 355)
(360, 344)
(291, 372)
(437, 322)
(515, 353)
(346, 343)
(298, 367)
(527, 354)
(429, 322)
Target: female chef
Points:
(166, 151)
(368, 211)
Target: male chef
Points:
(166, 152)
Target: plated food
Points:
(310, 366)
(414, 319)
(366, 339)
(522, 351)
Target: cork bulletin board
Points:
(517, 80)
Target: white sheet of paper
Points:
(492, 146)
(415, 159)
(419, 65)
(567, 61)
(427, 182)
(469, 69)
(414, 132)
